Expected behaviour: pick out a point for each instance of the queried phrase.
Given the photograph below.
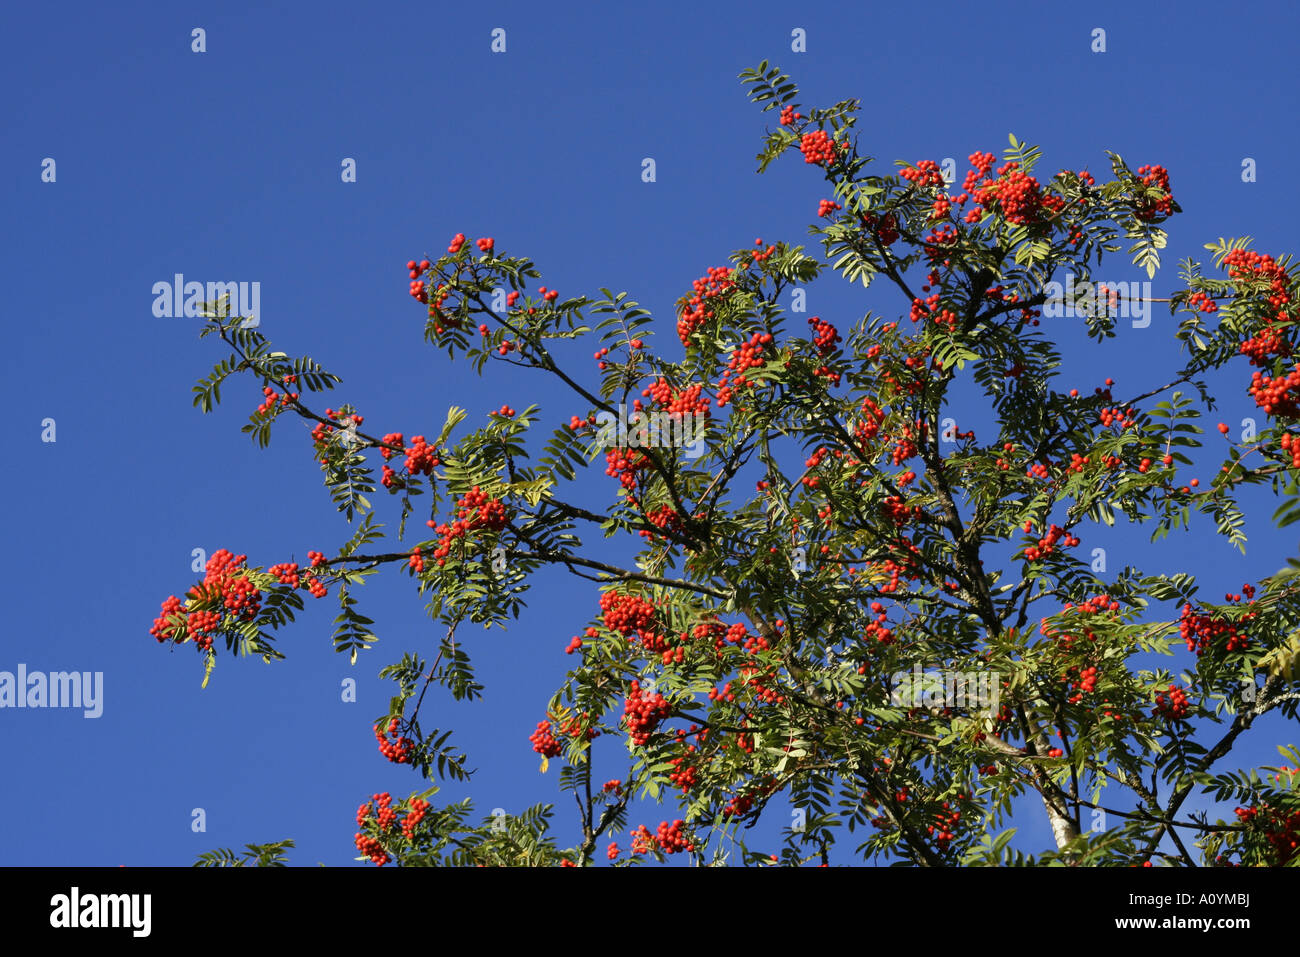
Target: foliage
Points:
(751, 647)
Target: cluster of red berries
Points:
(642, 840)
(686, 401)
(873, 417)
(1277, 396)
(1122, 417)
(398, 750)
(200, 626)
(626, 465)
(417, 284)
(737, 634)
(418, 809)
(788, 115)
(904, 447)
(271, 398)
(684, 773)
(695, 311)
(876, 628)
(738, 806)
(1261, 347)
(387, 817)
(668, 838)
(1261, 274)
(226, 577)
(286, 573)
(1281, 829)
(1048, 543)
(373, 849)
(1172, 704)
(225, 580)
(474, 510)
(1018, 196)
(1251, 266)
(982, 164)
(825, 207)
(748, 356)
(421, 457)
(825, 335)
(894, 508)
(818, 147)
(923, 307)
(544, 741)
(671, 839)
(389, 439)
(762, 256)
(505, 412)
(944, 823)
(643, 713)
(481, 510)
(665, 518)
(713, 631)
(1094, 606)
(1200, 631)
(886, 229)
(1202, 303)
(1158, 177)
(1086, 684)
(925, 173)
(626, 613)
(162, 629)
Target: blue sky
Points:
(226, 165)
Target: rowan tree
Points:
(833, 534)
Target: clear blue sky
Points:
(226, 165)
